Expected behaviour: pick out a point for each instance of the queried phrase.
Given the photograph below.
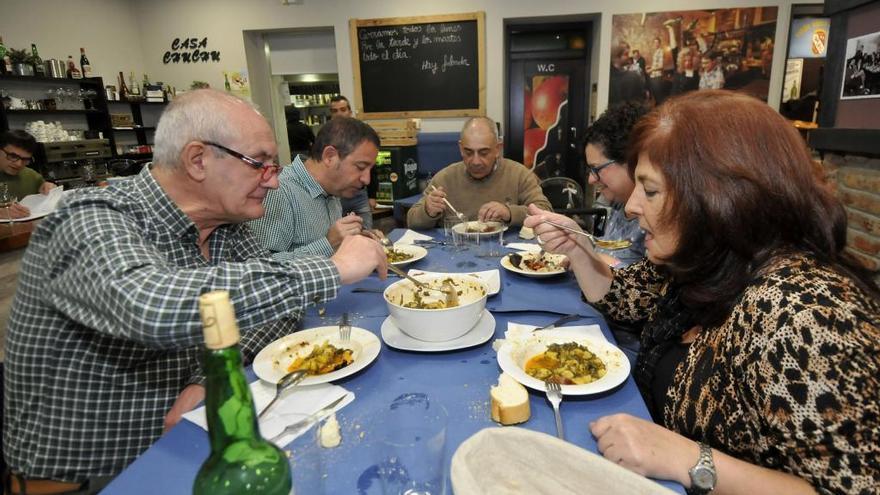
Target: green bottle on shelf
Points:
(241, 461)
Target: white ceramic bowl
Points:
(437, 325)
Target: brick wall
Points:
(857, 180)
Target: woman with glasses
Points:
(606, 147)
(17, 150)
(760, 350)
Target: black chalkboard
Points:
(419, 66)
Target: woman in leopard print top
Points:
(760, 335)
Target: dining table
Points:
(459, 379)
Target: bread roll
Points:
(510, 401)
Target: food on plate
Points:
(566, 364)
(395, 256)
(329, 433)
(614, 244)
(510, 401)
(420, 298)
(323, 359)
(534, 263)
(480, 228)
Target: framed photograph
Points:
(861, 71)
(791, 87)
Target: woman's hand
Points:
(554, 239)
(645, 447)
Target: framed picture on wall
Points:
(861, 73)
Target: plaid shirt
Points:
(298, 215)
(105, 328)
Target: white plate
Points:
(492, 278)
(513, 355)
(505, 262)
(417, 252)
(482, 332)
(272, 362)
(461, 228)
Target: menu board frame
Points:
(478, 17)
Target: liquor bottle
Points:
(72, 71)
(84, 63)
(4, 60)
(39, 68)
(123, 89)
(241, 461)
(146, 82)
(133, 85)
(226, 82)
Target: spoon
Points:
(287, 381)
(459, 215)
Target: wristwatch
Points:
(703, 476)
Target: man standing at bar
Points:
(104, 333)
(482, 186)
(364, 202)
(304, 215)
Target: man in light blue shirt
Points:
(304, 215)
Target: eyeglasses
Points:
(12, 157)
(595, 170)
(268, 168)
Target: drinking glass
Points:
(414, 447)
(491, 245)
(449, 221)
(306, 455)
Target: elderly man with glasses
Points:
(17, 150)
(101, 351)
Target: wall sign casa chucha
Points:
(190, 51)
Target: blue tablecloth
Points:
(460, 380)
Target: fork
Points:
(554, 395)
(344, 328)
(459, 215)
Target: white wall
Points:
(104, 23)
(303, 52)
(109, 30)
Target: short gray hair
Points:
(484, 121)
(197, 115)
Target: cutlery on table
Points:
(557, 322)
(459, 215)
(319, 415)
(287, 381)
(554, 395)
(344, 328)
(368, 289)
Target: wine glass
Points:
(6, 200)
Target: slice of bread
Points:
(510, 401)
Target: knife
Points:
(559, 321)
(315, 417)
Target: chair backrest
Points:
(567, 197)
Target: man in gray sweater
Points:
(483, 186)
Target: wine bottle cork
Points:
(218, 318)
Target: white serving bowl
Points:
(437, 325)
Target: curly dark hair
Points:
(611, 130)
(742, 190)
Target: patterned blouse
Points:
(790, 381)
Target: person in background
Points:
(483, 186)
(104, 333)
(299, 135)
(304, 215)
(17, 150)
(625, 85)
(711, 77)
(605, 151)
(760, 355)
(364, 202)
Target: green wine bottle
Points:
(241, 461)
